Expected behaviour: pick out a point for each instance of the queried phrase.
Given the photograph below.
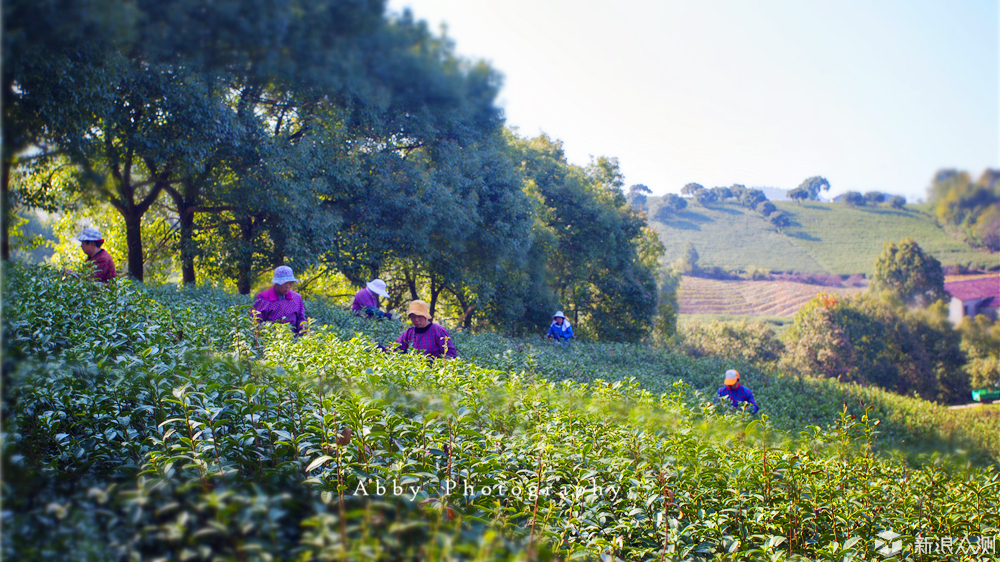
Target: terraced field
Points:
(749, 298)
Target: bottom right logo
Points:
(886, 545)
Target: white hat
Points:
(283, 274)
(90, 234)
(559, 314)
(377, 286)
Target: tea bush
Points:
(161, 424)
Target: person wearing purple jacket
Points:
(280, 303)
(735, 392)
(430, 338)
(366, 300)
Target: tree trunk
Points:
(435, 291)
(133, 237)
(187, 245)
(411, 282)
(246, 256)
(468, 311)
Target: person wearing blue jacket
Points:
(560, 330)
(736, 392)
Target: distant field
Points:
(823, 237)
(749, 298)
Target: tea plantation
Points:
(150, 423)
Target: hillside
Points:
(823, 237)
(749, 298)
(153, 423)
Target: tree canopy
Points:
(909, 274)
(229, 138)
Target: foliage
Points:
(765, 208)
(897, 202)
(873, 198)
(691, 188)
(753, 342)
(813, 185)
(667, 307)
(147, 424)
(868, 340)
(779, 219)
(670, 205)
(970, 207)
(909, 274)
(799, 194)
(637, 196)
(705, 196)
(604, 261)
(855, 199)
(981, 344)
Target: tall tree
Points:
(813, 185)
(909, 274)
(604, 262)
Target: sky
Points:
(874, 95)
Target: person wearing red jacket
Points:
(280, 303)
(426, 336)
(104, 266)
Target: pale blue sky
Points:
(873, 95)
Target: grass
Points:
(823, 237)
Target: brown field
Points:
(749, 298)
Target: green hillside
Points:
(823, 237)
(149, 423)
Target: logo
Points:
(884, 547)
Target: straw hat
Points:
(420, 308)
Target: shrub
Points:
(753, 342)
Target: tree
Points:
(897, 202)
(854, 199)
(691, 188)
(873, 198)
(799, 194)
(704, 196)
(750, 198)
(908, 274)
(670, 205)
(637, 195)
(722, 193)
(603, 262)
(813, 185)
(971, 208)
(52, 73)
(862, 339)
(765, 208)
(665, 322)
(779, 219)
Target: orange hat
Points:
(420, 308)
(732, 377)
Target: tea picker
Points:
(736, 392)
(280, 303)
(424, 335)
(104, 266)
(560, 330)
(366, 300)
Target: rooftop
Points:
(972, 289)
